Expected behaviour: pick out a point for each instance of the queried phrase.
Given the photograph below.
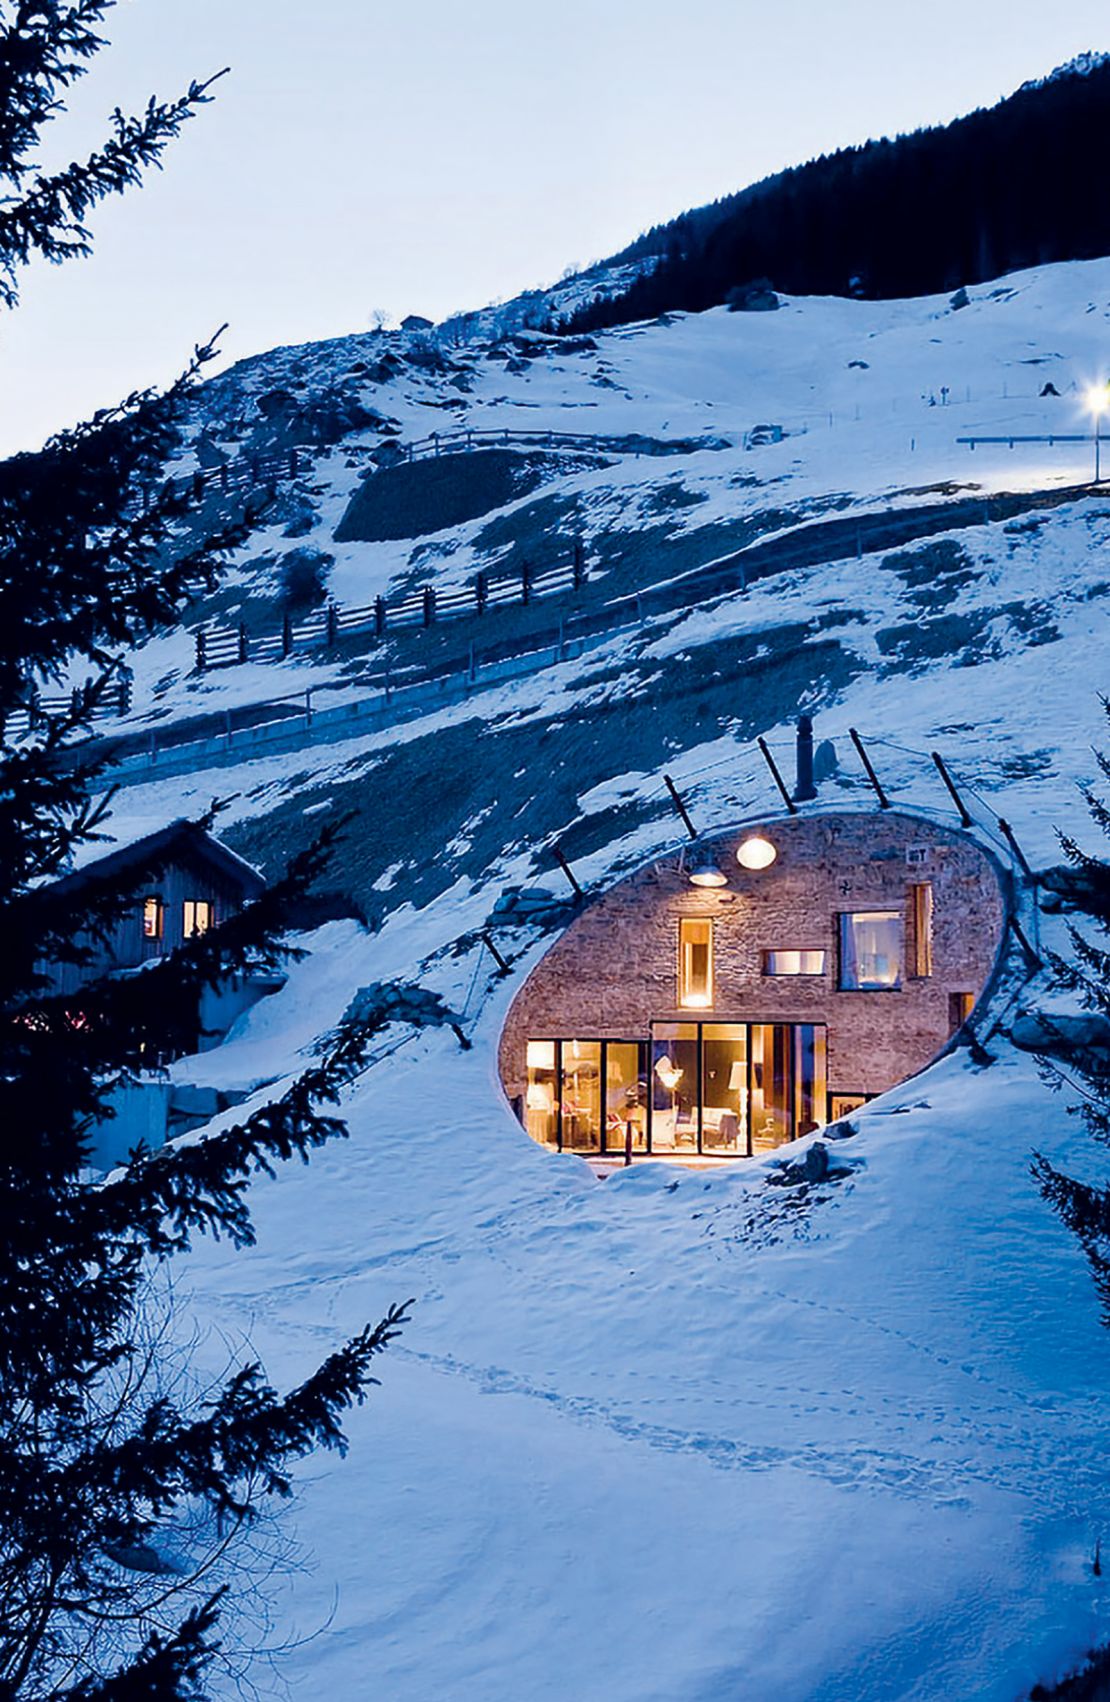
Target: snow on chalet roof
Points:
(180, 838)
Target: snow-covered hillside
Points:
(662, 1437)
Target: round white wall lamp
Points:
(756, 853)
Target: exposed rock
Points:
(527, 904)
(1065, 888)
(1037, 1031)
(814, 1167)
(756, 297)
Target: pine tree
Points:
(1083, 1206)
(107, 1444)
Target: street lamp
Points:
(1098, 401)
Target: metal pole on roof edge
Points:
(965, 819)
(680, 806)
(501, 962)
(1005, 828)
(567, 870)
(1031, 957)
(776, 776)
(884, 801)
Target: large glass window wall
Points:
(724, 1089)
(588, 1095)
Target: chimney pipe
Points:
(805, 790)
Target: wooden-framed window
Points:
(154, 917)
(695, 962)
(921, 918)
(198, 917)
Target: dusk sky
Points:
(424, 158)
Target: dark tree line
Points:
(1021, 184)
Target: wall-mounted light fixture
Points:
(703, 869)
(756, 853)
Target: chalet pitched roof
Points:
(180, 841)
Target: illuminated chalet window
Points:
(154, 917)
(198, 917)
(695, 962)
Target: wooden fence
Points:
(491, 437)
(114, 700)
(248, 472)
(225, 647)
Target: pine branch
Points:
(167, 1669)
(49, 219)
(42, 51)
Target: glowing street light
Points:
(1098, 401)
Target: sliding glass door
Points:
(725, 1089)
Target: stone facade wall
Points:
(614, 971)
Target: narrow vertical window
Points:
(541, 1112)
(197, 917)
(695, 962)
(960, 1007)
(921, 900)
(153, 917)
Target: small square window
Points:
(154, 917)
(870, 950)
(198, 917)
(793, 962)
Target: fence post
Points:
(286, 634)
(429, 605)
(379, 617)
(435, 440)
(244, 647)
(292, 463)
(331, 625)
(481, 590)
(223, 477)
(123, 698)
(198, 487)
(525, 582)
(579, 564)
(200, 641)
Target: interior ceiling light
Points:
(704, 870)
(756, 853)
